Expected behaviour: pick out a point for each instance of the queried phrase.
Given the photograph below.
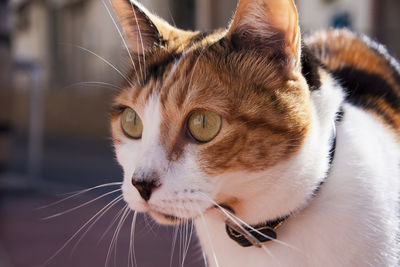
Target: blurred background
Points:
(54, 136)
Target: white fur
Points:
(352, 221)
(183, 184)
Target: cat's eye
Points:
(131, 123)
(204, 125)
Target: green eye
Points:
(131, 123)
(204, 125)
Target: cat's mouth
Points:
(170, 219)
(166, 218)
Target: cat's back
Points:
(367, 72)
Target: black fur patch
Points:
(382, 51)
(309, 68)
(197, 38)
(156, 71)
(363, 89)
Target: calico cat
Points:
(282, 151)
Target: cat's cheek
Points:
(124, 154)
(132, 198)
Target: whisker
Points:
(205, 259)
(99, 84)
(175, 235)
(143, 72)
(91, 226)
(244, 230)
(180, 37)
(184, 239)
(180, 245)
(195, 65)
(116, 232)
(127, 211)
(82, 205)
(149, 224)
(181, 233)
(102, 59)
(120, 215)
(77, 193)
(111, 203)
(271, 239)
(111, 225)
(209, 238)
(189, 238)
(131, 254)
(122, 37)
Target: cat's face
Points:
(206, 116)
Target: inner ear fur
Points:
(145, 32)
(269, 26)
(141, 33)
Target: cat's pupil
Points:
(204, 121)
(135, 119)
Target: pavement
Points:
(26, 240)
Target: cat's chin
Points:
(165, 219)
(168, 219)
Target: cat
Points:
(282, 150)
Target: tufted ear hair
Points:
(139, 25)
(268, 26)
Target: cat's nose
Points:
(145, 186)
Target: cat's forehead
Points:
(180, 79)
(209, 75)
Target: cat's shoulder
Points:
(369, 75)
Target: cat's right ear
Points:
(141, 32)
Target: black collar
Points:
(255, 235)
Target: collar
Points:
(255, 235)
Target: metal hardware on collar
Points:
(258, 234)
(254, 235)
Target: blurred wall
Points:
(5, 84)
(49, 36)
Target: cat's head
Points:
(207, 118)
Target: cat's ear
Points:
(139, 25)
(269, 26)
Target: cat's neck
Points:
(260, 198)
(287, 187)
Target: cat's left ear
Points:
(269, 26)
(139, 26)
